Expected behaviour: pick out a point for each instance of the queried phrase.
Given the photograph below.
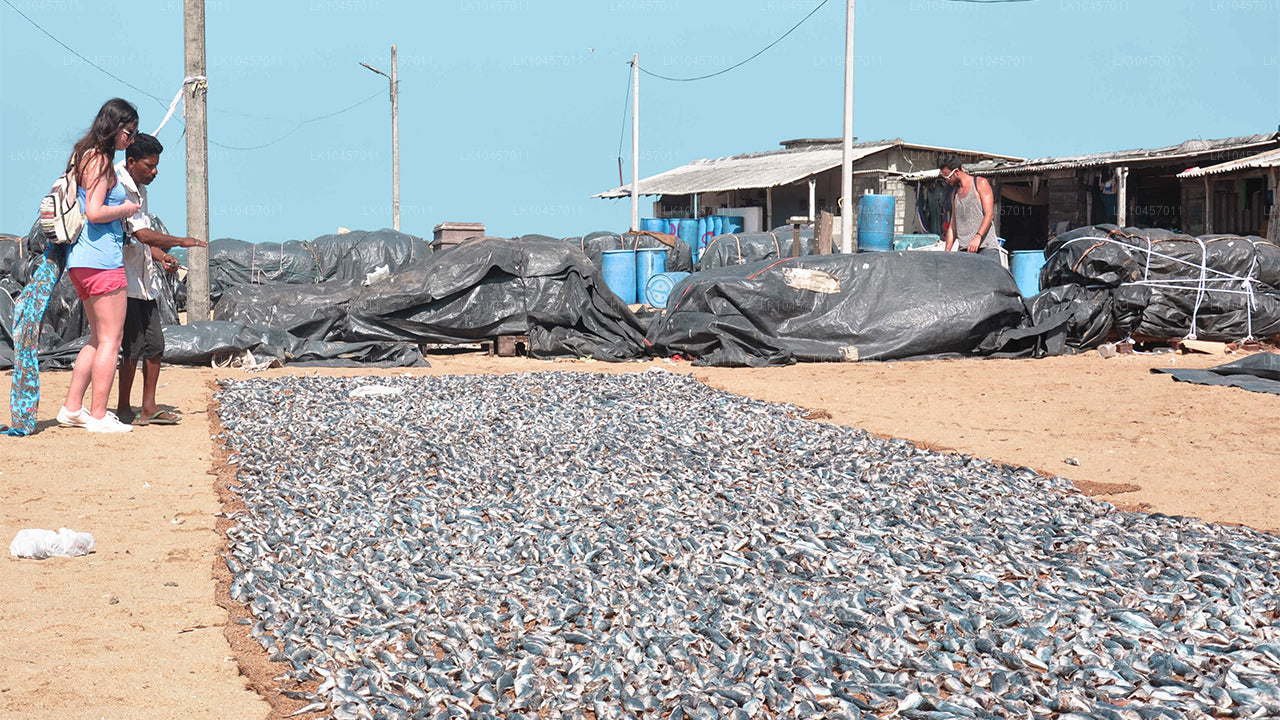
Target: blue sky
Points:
(511, 111)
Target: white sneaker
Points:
(108, 424)
(66, 418)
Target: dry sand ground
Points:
(135, 630)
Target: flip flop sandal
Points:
(163, 417)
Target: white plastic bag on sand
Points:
(365, 391)
(41, 544)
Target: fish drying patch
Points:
(563, 545)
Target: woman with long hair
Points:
(96, 265)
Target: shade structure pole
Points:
(846, 154)
(635, 142)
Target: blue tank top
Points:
(101, 245)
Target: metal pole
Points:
(813, 199)
(1122, 205)
(395, 145)
(846, 155)
(197, 161)
(635, 142)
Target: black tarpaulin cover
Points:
(540, 287)
(64, 319)
(679, 255)
(1161, 284)
(310, 311)
(744, 248)
(869, 306)
(1257, 373)
(346, 256)
(201, 343)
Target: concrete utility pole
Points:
(197, 160)
(635, 142)
(395, 138)
(846, 155)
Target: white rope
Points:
(178, 96)
(1201, 282)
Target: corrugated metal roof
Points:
(1188, 149)
(1268, 159)
(759, 170)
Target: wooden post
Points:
(822, 233)
(198, 308)
(1273, 223)
(1208, 206)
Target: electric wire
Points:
(71, 50)
(744, 62)
(622, 134)
(163, 104)
(300, 125)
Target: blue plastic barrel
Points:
(875, 223)
(672, 226)
(653, 224)
(705, 227)
(689, 234)
(733, 224)
(649, 262)
(1025, 266)
(619, 269)
(658, 289)
(717, 222)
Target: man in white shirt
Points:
(143, 328)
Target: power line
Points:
(87, 60)
(622, 134)
(744, 62)
(299, 125)
(165, 105)
(990, 2)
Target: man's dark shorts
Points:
(143, 331)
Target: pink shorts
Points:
(90, 281)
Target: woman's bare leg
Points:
(82, 370)
(110, 311)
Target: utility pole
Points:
(395, 144)
(197, 160)
(395, 138)
(846, 156)
(635, 142)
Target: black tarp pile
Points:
(1108, 282)
(744, 248)
(827, 308)
(541, 287)
(679, 255)
(65, 328)
(352, 256)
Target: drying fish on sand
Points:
(640, 545)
